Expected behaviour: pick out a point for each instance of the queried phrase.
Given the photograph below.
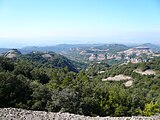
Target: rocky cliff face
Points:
(12, 53)
(20, 114)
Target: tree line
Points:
(28, 84)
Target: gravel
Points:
(20, 114)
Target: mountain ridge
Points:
(153, 47)
(64, 47)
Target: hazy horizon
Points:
(52, 22)
(24, 45)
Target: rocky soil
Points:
(20, 114)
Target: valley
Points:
(84, 83)
(109, 53)
(113, 52)
(79, 60)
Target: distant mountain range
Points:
(58, 48)
(153, 47)
(72, 55)
(65, 47)
(3, 50)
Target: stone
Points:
(20, 114)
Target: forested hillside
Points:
(50, 59)
(36, 83)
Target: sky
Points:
(50, 22)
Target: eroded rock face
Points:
(146, 72)
(47, 56)
(120, 77)
(20, 114)
(128, 83)
(12, 53)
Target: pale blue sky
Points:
(48, 22)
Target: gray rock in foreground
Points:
(20, 114)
